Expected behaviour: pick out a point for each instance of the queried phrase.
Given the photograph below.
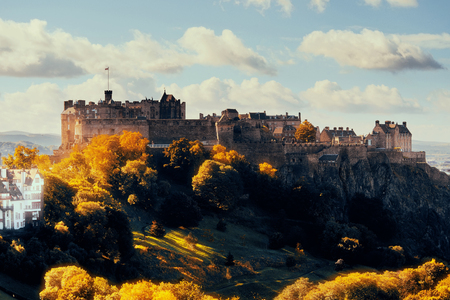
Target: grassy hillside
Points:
(258, 273)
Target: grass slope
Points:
(259, 273)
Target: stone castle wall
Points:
(166, 131)
(156, 131)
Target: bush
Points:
(298, 290)
(180, 210)
(191, 240)
(221, 226)
(276, 241)
(157, 229)
(290, 262)
(229, 260)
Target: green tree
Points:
(140, 180)
(306, 132)
(217, 183)
(184, 157)
(57, 200)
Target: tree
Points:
(140, 180)
(220, 154)
(306, 132)
(218, 184)
(267, 169)
(24, 158)
(57, 200)
(184, 157)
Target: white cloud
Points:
(28, 49)
(330, 96)
(424, 40)
(374, 3)
(367, 50)
(38, 109)
(226, 49)
(403, 3)
(286, 6)
(215, 95)
(318, 5)
(440, 100)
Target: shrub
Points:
(276, 241)
(295, 291)
(191, 240)
(290, 262)
(221, 226)
(157, 229)
(229, 260)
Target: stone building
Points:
(339, 136)
(273, 121)
(21, 198)
(285, 133)
(78, 125)
(390, 136)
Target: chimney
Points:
(67, 104)
(108, 96)
(341, 128)
(327, 128)
(347, 128)
(334, 128)
(387, 122)
(201, 116)
(404, 124)
(377, 122)
(300, 116)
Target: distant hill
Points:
(9, 147)
(35, 138)
(45, 143)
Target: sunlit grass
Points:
(175, 240)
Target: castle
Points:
(258, 136)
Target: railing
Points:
(6, 207)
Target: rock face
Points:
(404, 204)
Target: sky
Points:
(341, 63)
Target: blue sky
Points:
(341, 63)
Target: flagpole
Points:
(107, 68)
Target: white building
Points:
(21, 198)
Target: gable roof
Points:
(339, 132)
(257, 116)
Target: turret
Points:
(108, 96)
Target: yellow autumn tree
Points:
(306, 132)
(268, 170)
(219, 153)
(23, 158)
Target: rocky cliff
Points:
(404, 204)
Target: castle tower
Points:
(108, 96)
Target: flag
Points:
(107, 68)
